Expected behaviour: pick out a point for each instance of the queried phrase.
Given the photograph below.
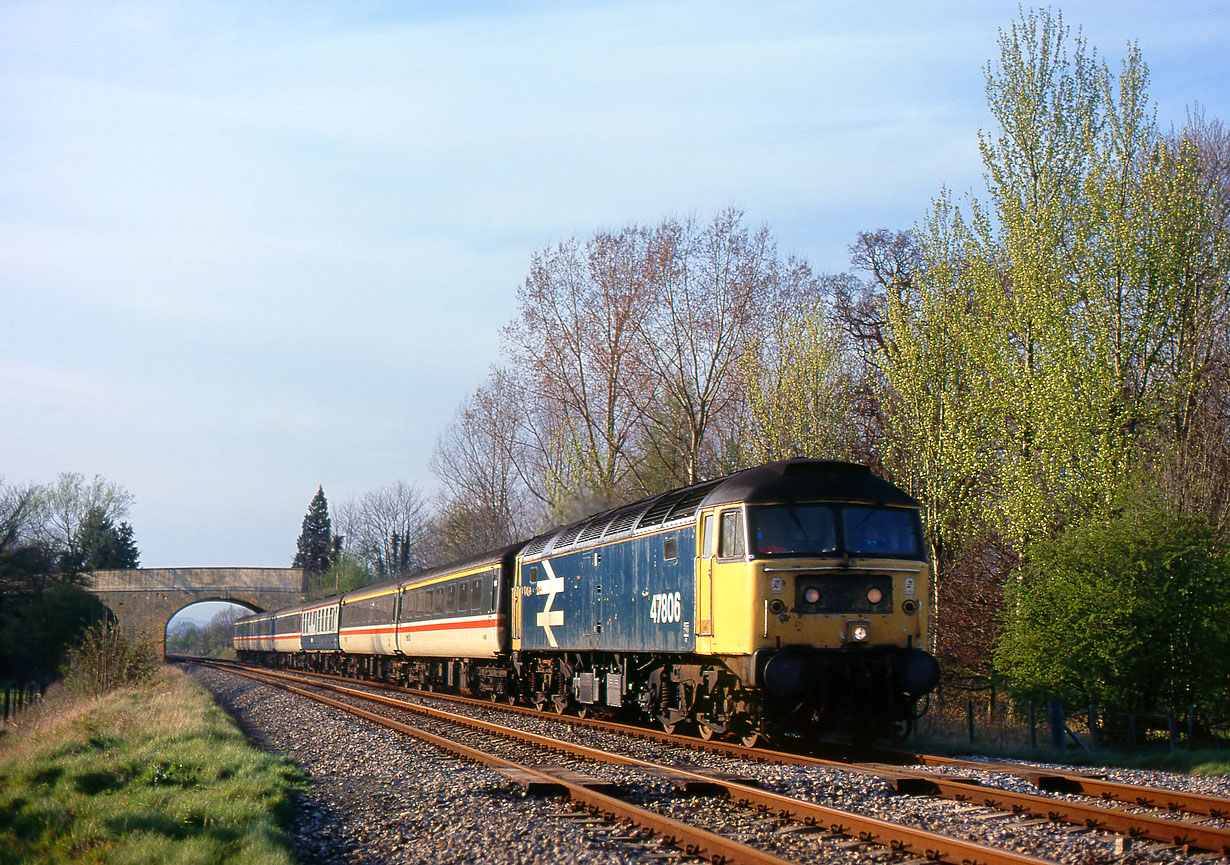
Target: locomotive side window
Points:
(670, 547)
(708, 538)
(730, 538)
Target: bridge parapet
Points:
(248, 580)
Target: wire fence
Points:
(17, 698)
(1055, 726)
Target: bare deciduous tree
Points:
(62, 507)
(710, 293)
(484, 502)
(384, 528)
(575, 349)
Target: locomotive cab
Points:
(812, 584)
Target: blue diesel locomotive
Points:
(785, 599)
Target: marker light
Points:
(875, 595)
(811, 595)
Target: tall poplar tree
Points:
(1030, 359)
(315, 546)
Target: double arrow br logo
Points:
(550, 618)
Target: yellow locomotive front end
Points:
(812, 590)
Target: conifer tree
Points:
(315, 552)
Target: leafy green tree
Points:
(315, 545)
(345, 573)
(100, 544)
(1033, 356)
(1127, 611)
(37, 628)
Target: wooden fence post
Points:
(1033, 728)
(1093, 727)
(1054, 710)
(1173, 730)
(1191, 726)
(969, 718)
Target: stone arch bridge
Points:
(147, 598)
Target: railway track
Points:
(1179, 822)
(851, 827)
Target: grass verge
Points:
(149, 774)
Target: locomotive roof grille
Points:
(567, 536)
(656, 514)
(536, 546)
(689, 502)
(622, 522)
(594, 528)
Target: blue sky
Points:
(250, 248)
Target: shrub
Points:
(1129, 611)
(109, 656)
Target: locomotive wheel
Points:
(706, 732)
(559, 708)
(582, 711)
(749, 733)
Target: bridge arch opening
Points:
(202, 629)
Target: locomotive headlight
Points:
(811, 595)
(857, 631)
(874, 595)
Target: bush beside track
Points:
(149, 774)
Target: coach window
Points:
(478, 594)
(452, 598)
(463, 596)
(730, 536)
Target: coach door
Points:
(704, 576)
(514, 611)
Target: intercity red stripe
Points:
(413, 628)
